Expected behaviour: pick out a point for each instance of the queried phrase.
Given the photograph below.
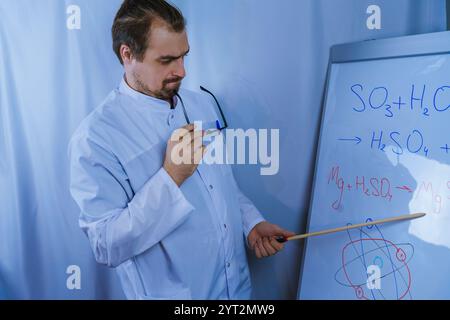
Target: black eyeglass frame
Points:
(225, 124)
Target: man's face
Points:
(162, 69)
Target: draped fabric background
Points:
(266, 62)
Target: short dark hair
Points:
(133, 22)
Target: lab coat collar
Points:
(124, 88)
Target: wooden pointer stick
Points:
(360, 225)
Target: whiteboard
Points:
(384, 150)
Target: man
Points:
(172, 230)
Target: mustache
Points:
(177, 79)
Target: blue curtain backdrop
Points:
(266, 62)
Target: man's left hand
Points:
(262, 239)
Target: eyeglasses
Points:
(218, 123)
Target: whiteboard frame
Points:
(390, 48)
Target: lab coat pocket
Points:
(180, 294)
(134, 288)
(130, 280)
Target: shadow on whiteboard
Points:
(431, 195)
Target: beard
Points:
(165, 93)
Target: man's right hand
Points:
(184, 152)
